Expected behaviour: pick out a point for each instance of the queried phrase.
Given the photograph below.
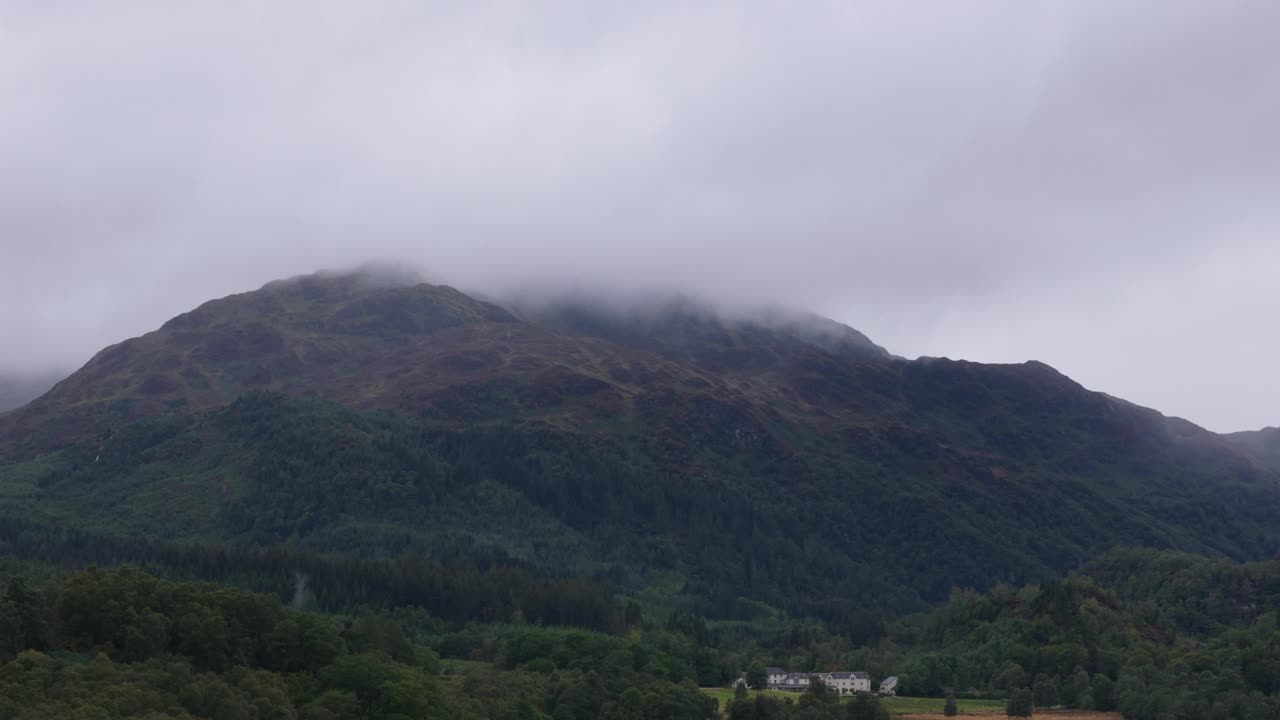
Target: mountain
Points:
(18, 389)
(1263, 445)
(733, 465)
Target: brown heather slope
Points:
(423, 349)
(689, 376)
(433, 350)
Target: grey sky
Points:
(1092, 184)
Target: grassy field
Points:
(724, 695)
(897, 705)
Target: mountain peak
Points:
(683, 326)
(317, 333)
(1263, 445)
(366, 276)
(368, 300)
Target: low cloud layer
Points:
(1088, 183)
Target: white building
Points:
(796, 681)
(889, 686)
(843, 682)
(847, 683)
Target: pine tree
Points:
(950, 709)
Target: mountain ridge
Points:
(1263, 445)
(754, 461)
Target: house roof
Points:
(889, 680)
(841, 674)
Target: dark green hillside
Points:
(122, 643)
(1154, 635)
(1200, 596)
(686, 459)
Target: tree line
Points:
(123, 643)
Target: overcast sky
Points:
(1092, 184)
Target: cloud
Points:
(997, 180)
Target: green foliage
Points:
(949, 709)
(1045, 692)
(133, 644)
(210, 651)
(478, 588)
(1141, 650)
(230, 649)
(1102, 692)
(819, 693)
(1020, 703)
(865, 706)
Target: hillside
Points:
(691, 460)
(1153, 634)
(1263, 445)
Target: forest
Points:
(123, 643)
(381, 490)
(1150, 634)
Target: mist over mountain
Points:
(17, 389)
(782, 459)
(993, 190)
(871, 341)
(1263, 444)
